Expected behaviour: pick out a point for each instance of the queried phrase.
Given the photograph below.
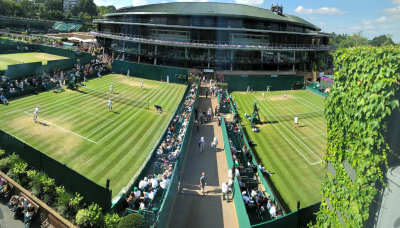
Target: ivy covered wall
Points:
(357, 113)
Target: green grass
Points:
(82, 132)
(30, 57)
(293, 154)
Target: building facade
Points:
(223, 36)
(68, 5)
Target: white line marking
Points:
(313, 136)
(63, 128)
(292, 144)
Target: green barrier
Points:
(63, 175)
(316, 91)
(152, 72)
(18, 71)
(260, 83)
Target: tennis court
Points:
(30, 57)
(76, 128)
(294, 155)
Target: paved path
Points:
(191, 208)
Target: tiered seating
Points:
(66, 27)
(167, 154)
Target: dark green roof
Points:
(211, 9)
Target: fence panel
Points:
(260, 83)
(23, 70)
(152, 72)
(63, 175)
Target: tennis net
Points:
(116, 98)
(290, 117)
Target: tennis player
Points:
(111, 88)
(296, 121)
(141, 84)
(35, 114)
(109, 105)
(285, 95)
(268, 88)
(262, 94)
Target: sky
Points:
(370, 17)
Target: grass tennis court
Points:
(294, 155)
(76, 127)
(30, 57)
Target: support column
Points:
(186, 54)
(123, 46)
(208, 58)
(231, 60)
(138, 53)
(294, 59)
(155, 55)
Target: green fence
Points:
(23, 70)
(260, 83)
(63, 175)
(152, 72)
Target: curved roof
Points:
(211, 9)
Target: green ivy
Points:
(357, 111)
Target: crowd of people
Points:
(19, 205)
(245, 171)
(167, 153)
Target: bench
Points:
(52, 222)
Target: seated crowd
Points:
(257, 202)
(152, 186)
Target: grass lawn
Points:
(76, 127)
(30, 57)
(294, 155)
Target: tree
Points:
(101, 10)
(85, 6)
(382, 40)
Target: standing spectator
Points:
(203, 182)
(224, 191)
(219, 120)
(202, 143)
(167, 78)
(206, 93)
(214, 144)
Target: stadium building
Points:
(222, 36)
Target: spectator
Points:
(272, 211)
(202, 143)
(203, 182)
(224, 189)
(13, 203)
(263, 170)
(164, 184)
(214, 144)
(143, 184)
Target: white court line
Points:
(294, 146)
(64, 129)
(112, 120)
(313, 136)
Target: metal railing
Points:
(212, 44)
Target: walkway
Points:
(191, 208)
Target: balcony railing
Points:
(213, 44)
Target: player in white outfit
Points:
(296, 121)
(36, 113)
(111, 88)
(141, 84)
(109, 105)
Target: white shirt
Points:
(272, 211)
(152, 194)
(230, 173)
(215, 141)
(154, 183)
(296, 119)
(237, 173)
(164, 184)
(143, 184)
(137, 194)
(111, 87)
(224, 187)
(36, 111)
(109, 102)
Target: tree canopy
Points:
(357, 39)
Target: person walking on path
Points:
(206, 93)
(224, 189)
(214, 144)
(203, 182)
(202, 143)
